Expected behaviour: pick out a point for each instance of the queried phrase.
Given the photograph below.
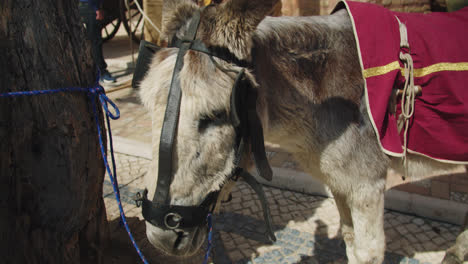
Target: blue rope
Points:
(104, 100)
(60, 90)
(97, 90)
(210, 237)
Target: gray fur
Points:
(311, 103)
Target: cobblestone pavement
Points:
(306, 228)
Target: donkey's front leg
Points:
(346, 224)
(366, 202)
(456, 254)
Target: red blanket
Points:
(439, 48)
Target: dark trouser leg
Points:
(93, 32)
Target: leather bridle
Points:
(248, 128)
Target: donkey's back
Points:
(313, 104)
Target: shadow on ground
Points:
(120, 46)
(121, 250)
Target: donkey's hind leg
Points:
(367, 208)
(457, 253)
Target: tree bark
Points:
(51, 170)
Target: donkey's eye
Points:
(216, 119)
(203, 124)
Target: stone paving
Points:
(134, 122)
(306, 226)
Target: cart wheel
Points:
(132, 20)
(111, 28)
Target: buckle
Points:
(139, 198)
(172, 220)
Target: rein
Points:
(159, 212)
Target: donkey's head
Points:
(206, 146)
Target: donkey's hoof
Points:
(451, 259)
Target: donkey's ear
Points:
(232, 24)
(176, 14)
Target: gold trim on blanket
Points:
(421, 72)
(381, 70)
(443, 66)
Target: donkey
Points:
(310, 101)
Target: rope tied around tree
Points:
(95, 91)
(98, 91)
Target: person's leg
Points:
(93, 32)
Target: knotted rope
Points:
(408, 94)
(407, 104)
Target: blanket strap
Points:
(408, 94)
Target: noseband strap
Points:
(174, 216)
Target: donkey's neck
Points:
(296, 62)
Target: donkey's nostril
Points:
(180, 236)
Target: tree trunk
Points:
(51, 170)
(153, 9)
